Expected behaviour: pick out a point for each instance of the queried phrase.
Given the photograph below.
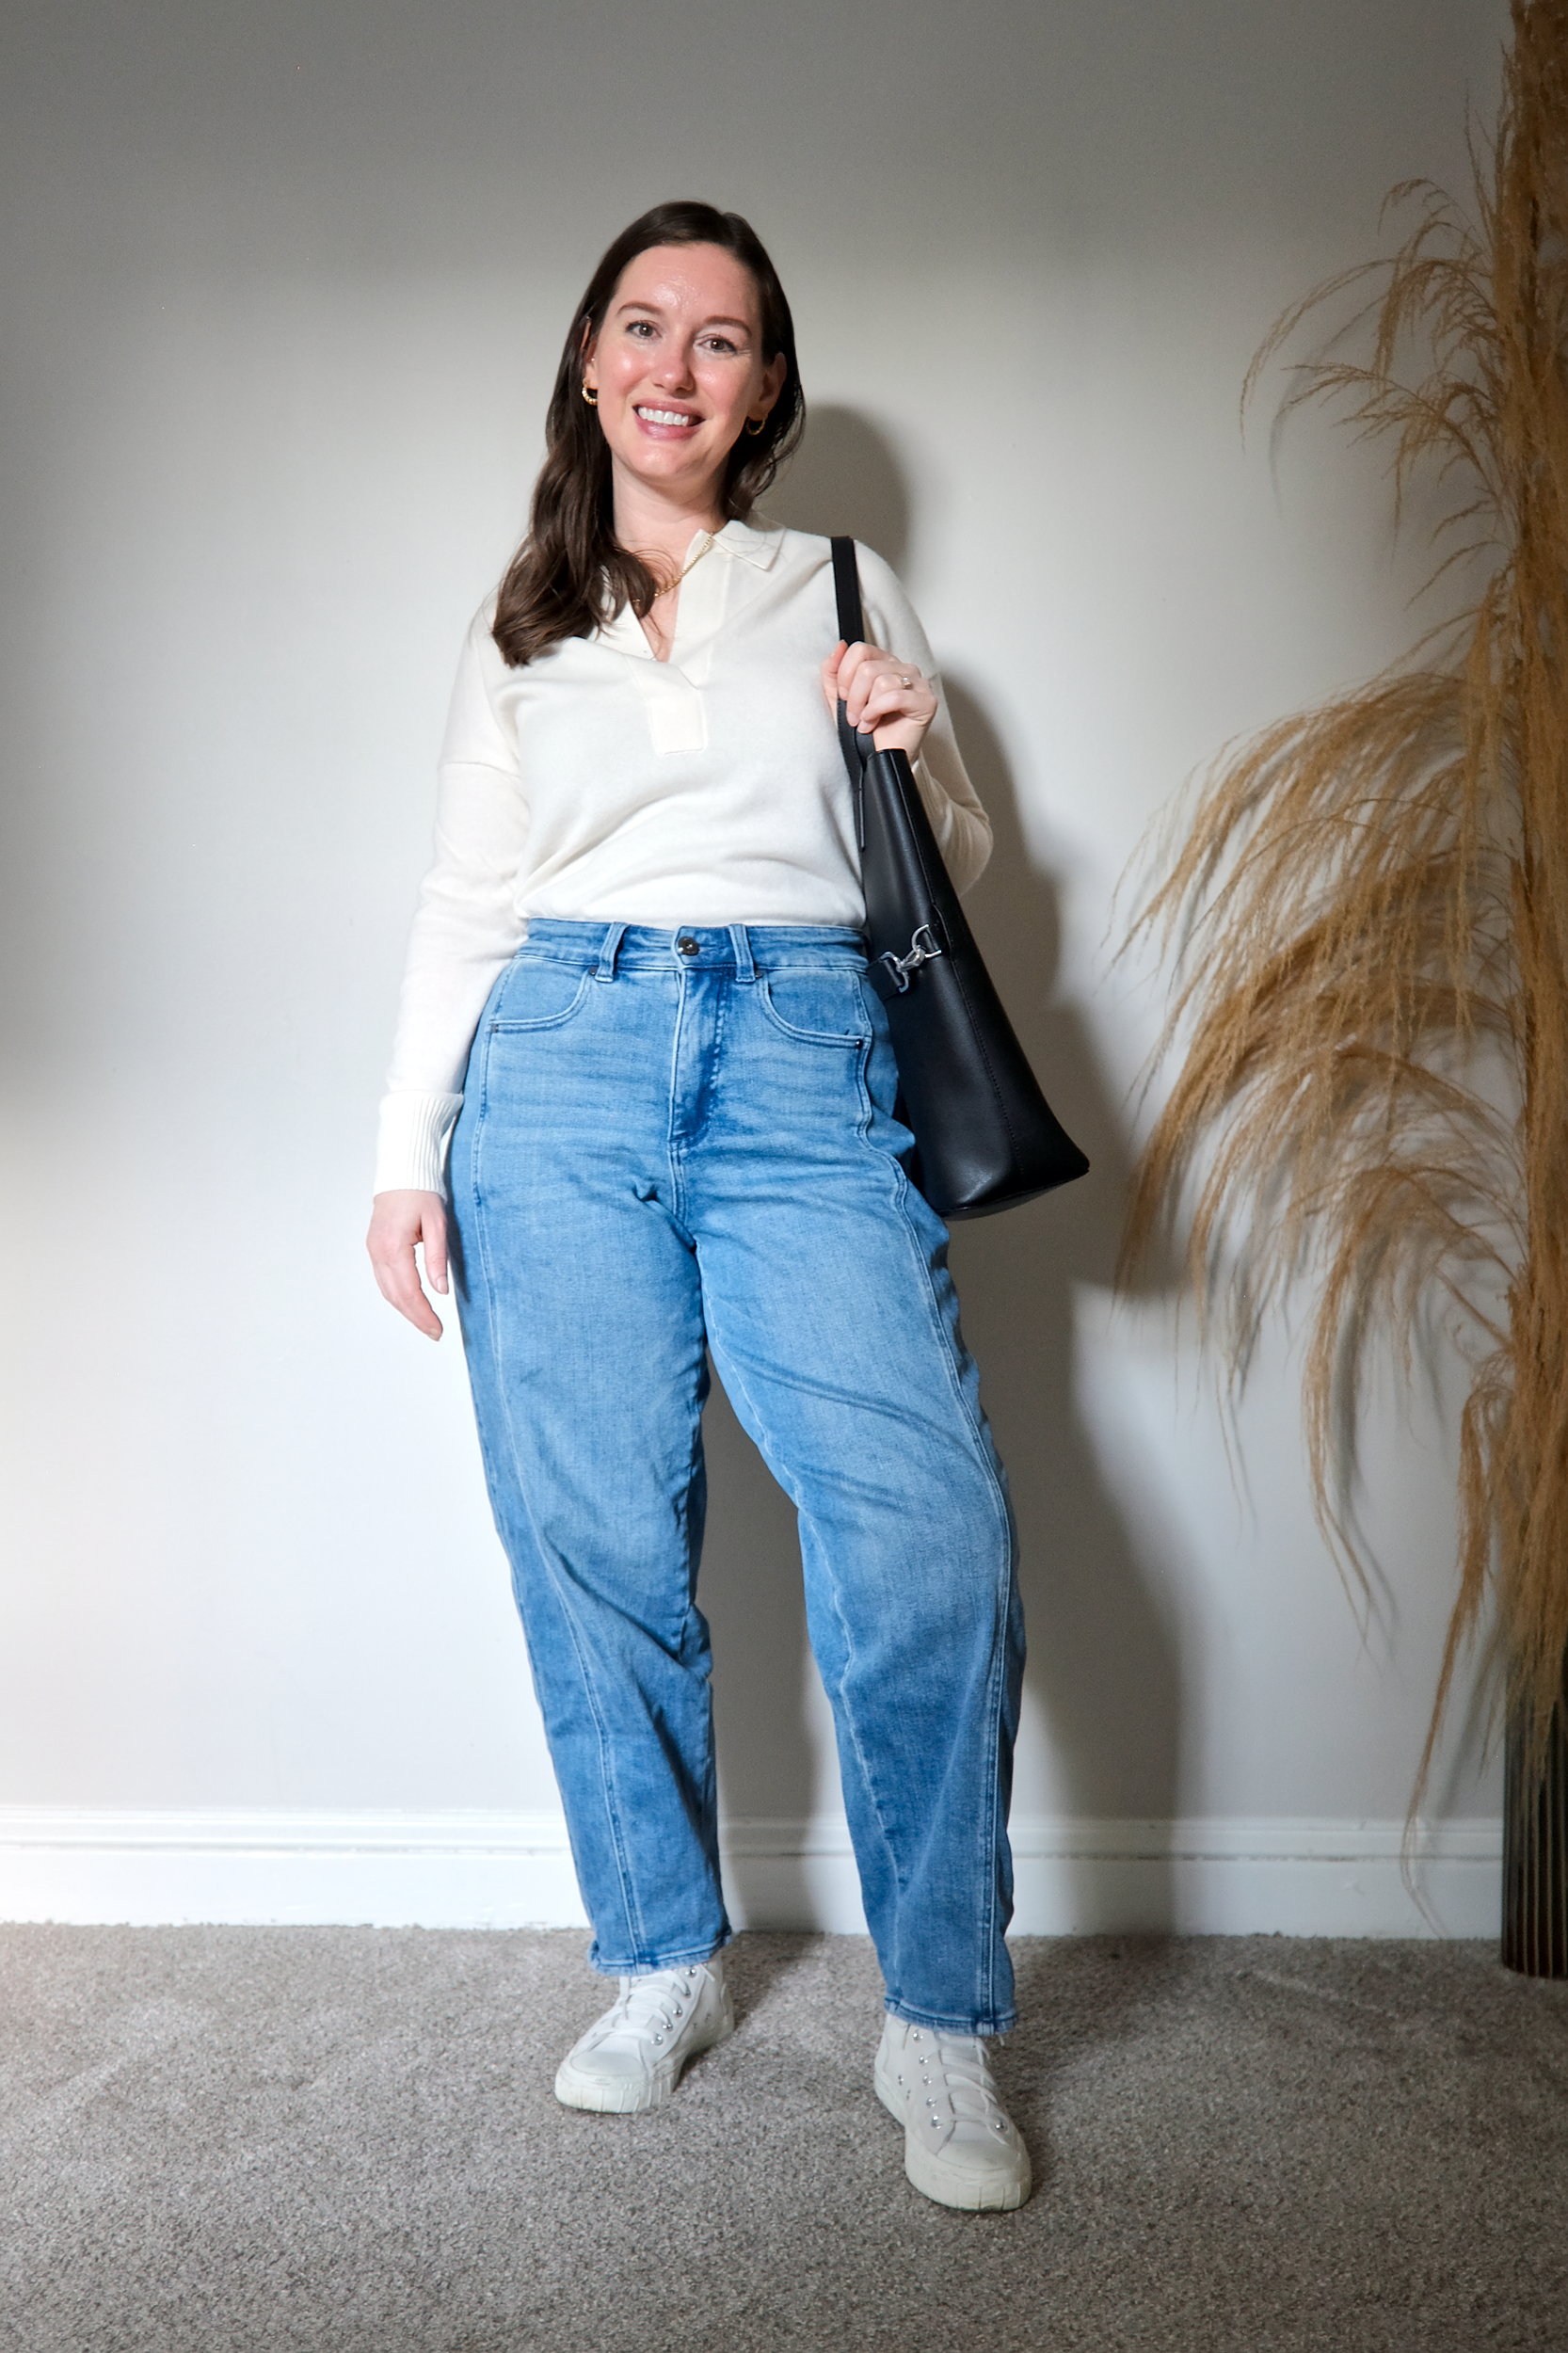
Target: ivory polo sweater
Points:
(600, 782)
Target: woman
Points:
(636, 1017)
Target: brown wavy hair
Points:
(570, 574)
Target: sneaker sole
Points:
(578, 2088)
(938, 2182)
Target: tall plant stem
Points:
(1535, 1848)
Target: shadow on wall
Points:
(1103, 1672)
(844, 478)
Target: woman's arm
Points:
(465, 930)
(465, 927)
(962, 828)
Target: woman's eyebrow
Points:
(741, 326)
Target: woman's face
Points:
(677, 366)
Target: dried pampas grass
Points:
(1368, 914)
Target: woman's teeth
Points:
(665, 416)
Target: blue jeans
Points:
(680, 1141)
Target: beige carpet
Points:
(246, 2140)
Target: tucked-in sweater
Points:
(600, 782)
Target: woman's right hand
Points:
(399, 1219)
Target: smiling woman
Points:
(676, 398)
(637, 1005)
(677, 375)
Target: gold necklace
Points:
(707, 538)
(666, 637)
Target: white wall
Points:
(284, 289)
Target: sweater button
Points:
(687, 945)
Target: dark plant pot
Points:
(1535, 1853)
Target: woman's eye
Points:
(721, 343)
(637, 325)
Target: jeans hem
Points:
(686, 1958)
(948, 2022)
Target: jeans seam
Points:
(791, 1489)
(993, 1773)
(687, 1955)
(999, 1643)
(612, 1804)
(550, 1020)
(677, 1180)
(710, 1784)
(803, 1037)
(717, 1060)
(948, 2021)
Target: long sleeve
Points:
(962, 828)
(466, 925)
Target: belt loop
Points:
(609, 948)
(745, 967)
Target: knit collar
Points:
(752, 546)
(704, 597)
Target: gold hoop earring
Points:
(592, 398)
(758, 427)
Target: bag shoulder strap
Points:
(846, 587)
(856, 748)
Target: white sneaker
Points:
(960, 2145)
(632, 2058)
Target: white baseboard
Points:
(1222, 1877)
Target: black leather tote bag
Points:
(985, 1135)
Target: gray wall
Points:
(284, 288)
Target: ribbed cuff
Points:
(412, 1131)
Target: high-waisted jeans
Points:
(674, 1140)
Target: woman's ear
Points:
(772, 385)
(587, 343)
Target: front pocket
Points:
(815, 1005)
(539, 992)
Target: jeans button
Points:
(687, 945)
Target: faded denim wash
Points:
(665, 1149)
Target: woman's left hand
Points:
(890, 700)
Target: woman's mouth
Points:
(666, 420)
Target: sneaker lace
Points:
(953, 2086)
(653, 2003)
